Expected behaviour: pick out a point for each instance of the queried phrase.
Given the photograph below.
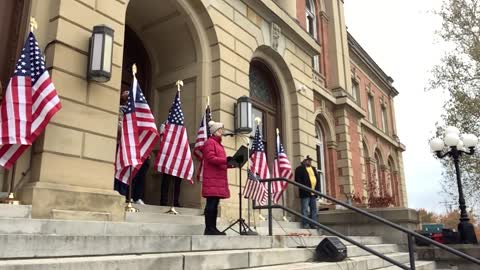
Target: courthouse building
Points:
(303, 71)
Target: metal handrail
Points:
(409, 233)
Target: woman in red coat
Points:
(215, 182)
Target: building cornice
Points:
(357, 49)
(365, 123)
(290, 27)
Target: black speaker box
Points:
(331, 249)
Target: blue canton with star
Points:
(175, 116)
(257, 145)
(140, 98)
(31, 62)
(281, 150)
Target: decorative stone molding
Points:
(383, 103)
(275, 35)
(369, 89)
(332, 145)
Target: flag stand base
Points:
(130, 209)
(261, 217)
(172, 211)
(11, 200)
(285, 219)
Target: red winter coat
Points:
(215, 182)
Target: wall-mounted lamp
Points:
(101, 53)
(243, 115)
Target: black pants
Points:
(165, 188)
(211, 208)
(138, 181)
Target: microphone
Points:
(228, 134)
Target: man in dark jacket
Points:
(306, 174)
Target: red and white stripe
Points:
(138, 136)
(174, 157)
(25, 112)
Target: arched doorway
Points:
(266, 103)
(168, 42)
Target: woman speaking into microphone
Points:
(215, 182)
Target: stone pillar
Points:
(344, 154)
(72, 167)
(401, 181)
(338, 54)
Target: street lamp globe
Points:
(451, 139)
(452, 129)
(469, 140)
(437, 144)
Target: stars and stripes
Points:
(174, 156)
(30, 101)
(255, 190)
(203, 134)
(281, 169)
(138, 135)
(258, 167)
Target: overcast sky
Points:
(400, 36)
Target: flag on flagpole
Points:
(259, 168)
(30, 101)
(203, 134)
(281, 169)
(174, 156)
(138, 135)
(255, 190)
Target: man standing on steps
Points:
(306, 175)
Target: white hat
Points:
(214, 126)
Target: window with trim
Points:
(316, 63)
(355, 89)
(371, 111)
(384, 120)
(310, 15)
(320, 143)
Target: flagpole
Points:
(283, 192)
(260, 216)
(11, 196)
(129, 207)
(172, 210)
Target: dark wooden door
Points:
(134, 53)
(266, 104)
(14, 24)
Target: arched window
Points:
(376, 181)
(321, 157)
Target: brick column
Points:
(72, 169)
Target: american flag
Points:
(255, 190)
(138, 135)
(258, 167)
(174, 156)
(203, 134)
(30, 101)
(281, 168)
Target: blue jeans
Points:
(309, 202)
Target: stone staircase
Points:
(152, 239)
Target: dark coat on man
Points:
(301, 176)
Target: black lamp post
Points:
(456, 148)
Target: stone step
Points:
(148, 208)
(202, 260)
(15, 211)
(171, 225)
(313, 241)
(146, 217)
(419, 265)
(41, 246)
(360, 263)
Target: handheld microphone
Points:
(228, 134)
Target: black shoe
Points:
(219, 232)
